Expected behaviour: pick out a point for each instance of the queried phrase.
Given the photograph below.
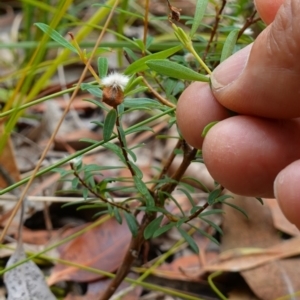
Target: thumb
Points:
(263, 78)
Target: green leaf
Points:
(213, 225)
(163, 229)
(208, 127)
(175, 70)
(188, 195)
(56, 36)
(142, 188)
(98, 104)
(223, 197)
(117, 215)
(102, 66)
(189, 240)
(132, 83)
(229, 44)
(85, 193)
(131, 54)
(136, 170)
(199, 14)
(140, 65)
(152, 227)
(237, 208)
(142, 103)
(132, 223)
(154, 209)
(139, 129)
(205, 234)
(211, 212)
(92, 89)
(109, 124)
(116, 150)
(201, 185)
(213, 195)
(75, 182)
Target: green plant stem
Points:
(198, 58)
(35, 102)
(213, 286)
(122, 146)
(82, 152)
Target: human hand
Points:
(257, 152)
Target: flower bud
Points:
(113, 89)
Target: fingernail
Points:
(229, 70)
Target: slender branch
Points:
(249, 21)
(215, 28)
(95, 193)
(122, 146)
(189, 155)
(168, 163)
(130, 256)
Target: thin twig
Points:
(214, 30)
(130, 256)
(168, 163)
(95, 193)
(188, 156)
(249, 21)
(122, 146)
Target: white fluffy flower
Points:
(115, 80)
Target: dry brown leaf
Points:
(276, 279)
(279, 219)
(96, 289)
(240, 259)
(254, 247)
(102, 248)
(184, 268)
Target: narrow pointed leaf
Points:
(237, 208)
(189, 240)
(142, 188)
(199, 14)
(102, 66)
(175, 70)
(152, 227)
(229, 44)
(163, 229)
(117, 215)
(56, 36)
(109, 124)
(140, 65)
(132, 223)
(208, 127)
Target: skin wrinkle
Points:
(283, 32)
